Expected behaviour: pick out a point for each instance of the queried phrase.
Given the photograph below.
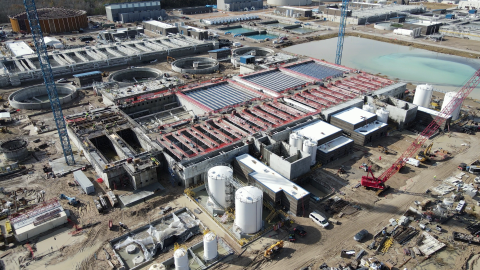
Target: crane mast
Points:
(41, 50)
(341, 32)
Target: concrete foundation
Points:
(14, 150)
(196, 65)
(36, 97)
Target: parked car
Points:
(360, 235)
(291, 236)
(300, 231)
(319, 219)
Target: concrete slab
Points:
(141, 194)
(59, 166)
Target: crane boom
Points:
(341, 32)
(427, 133)
(47, 73)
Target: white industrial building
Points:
(43, 217)
(19, 48)
(469, 4)
(53, 42)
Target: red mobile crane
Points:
(378, 183)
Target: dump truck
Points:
(112, 198)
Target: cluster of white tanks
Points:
(369, 107)
(296, 140)
(210, 250)
(218, 177)
(248, 209)
(423, 95)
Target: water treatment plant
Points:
(240, 140)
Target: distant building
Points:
(135, 11)
(196, 10)
(239, 5)
(160, 27)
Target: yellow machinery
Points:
(273, 249)
(105, 74)
(425, 155)
(170, 59)
(8, 227)
(435, 104)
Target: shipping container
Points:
(84, 182)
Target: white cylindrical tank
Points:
(450, 97)
(210, 246)
(293, 140)
(180, 257)
(300, 142)
(423, 95)
(218, 176)
(382, 115)
(311, 148)
(369, 107)
(248, 209)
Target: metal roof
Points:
(317, 130)
(87, 74)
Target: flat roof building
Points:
(276, 187)
(319, 131)
(19, 48)
(334, 149)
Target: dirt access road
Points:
(374, 215)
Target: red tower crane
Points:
(378, 183)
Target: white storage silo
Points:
(423, 95)
(248, 209)
(180, 257)
(210, 246)
(218, 176)
(369, 107)
(449, 98)
(300, 140)
(293, 140)
(311, 148)
(382, 115)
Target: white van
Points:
(412, 161)
(319, 219)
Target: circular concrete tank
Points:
(136, 75)
(195, 65)
(14, 149)
(255, 51)
(36, 97)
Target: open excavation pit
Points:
(36, 97)
(136, 75)
(195, 65)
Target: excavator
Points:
(424, 156)
(273, 250)
(386, 151)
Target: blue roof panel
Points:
(87, 74)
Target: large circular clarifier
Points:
(134, 75)
(195, 65)
(36, 97)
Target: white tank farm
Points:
(300, 140)
(248, 209)
(446, 100)
(180, 256)
(369, 108)
(382, 115)
(423, 95)
(218, 176)
(311, 148)
(210, 248)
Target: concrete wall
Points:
(339, 152)
(16, 99)
(292, 166)
(401, 112)
(150, 106)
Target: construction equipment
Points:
(105, 74)
(49, 81)
(435, 104)
(425, 155)
(386, 151)
(71, 200)
(8, 227)
(364, 167)
(273, 250)
(341, 32)
(170, 59)
(439, 120)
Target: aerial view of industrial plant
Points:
(240, 134)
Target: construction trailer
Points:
(85, 80)
(84, 182)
